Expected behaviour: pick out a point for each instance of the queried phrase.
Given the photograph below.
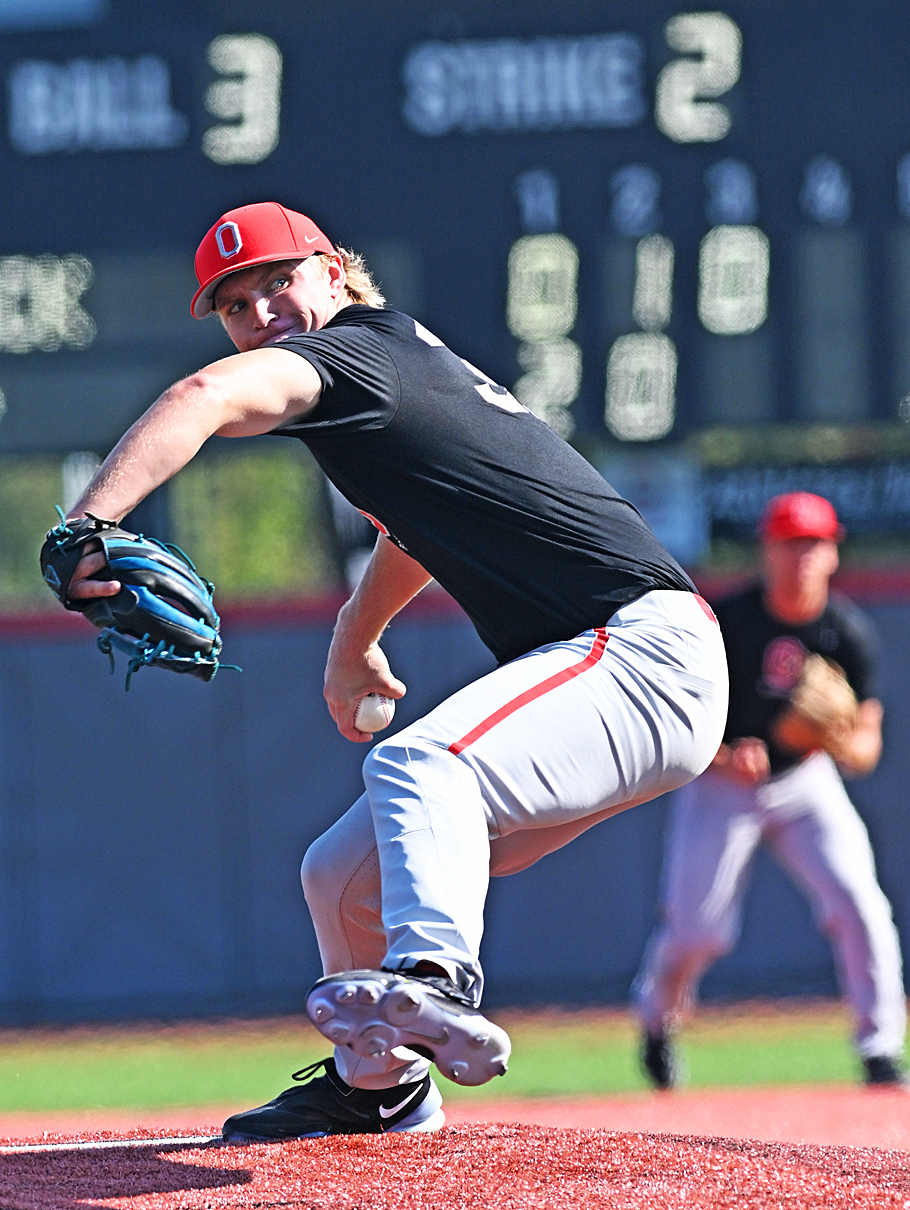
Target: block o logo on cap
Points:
(231, 245)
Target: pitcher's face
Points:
(267, 303)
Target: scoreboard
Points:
(680, 235)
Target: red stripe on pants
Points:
(529, 695)
(709, 612)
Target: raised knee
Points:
(319, 869)
(373, 763)
(396, 758)
(393, 753)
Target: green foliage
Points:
(251, 519)
(253, 523)
(29, 489)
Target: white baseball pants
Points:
(813, 830)
(506, 770)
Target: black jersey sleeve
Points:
(360, 386)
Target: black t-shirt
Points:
(766, 656)
(530, 540)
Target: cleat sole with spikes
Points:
(373, 1012)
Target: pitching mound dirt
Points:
(489, 1167)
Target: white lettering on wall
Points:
(39, 303)
(111, 104)
(544, 84)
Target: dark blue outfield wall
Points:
(150, 841)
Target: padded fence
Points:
(150, 841)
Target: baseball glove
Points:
(821, 713)
(163, 614)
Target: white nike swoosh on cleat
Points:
(388, 1113)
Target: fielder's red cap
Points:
(799, 515)
(252, 235)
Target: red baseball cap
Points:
(252, 235)
(799, 515)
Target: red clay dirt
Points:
(839, 1115)
(508, 1167)
(558, 1154)
(832, 1114)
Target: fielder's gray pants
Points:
(809, 824)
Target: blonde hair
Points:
(359, 280)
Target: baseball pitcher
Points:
(611, 686)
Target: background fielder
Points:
(612, 684)
(758, 792)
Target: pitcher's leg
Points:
(341, 883)
(562, 735)
(559, 735)
(432, 831)
(712, 838)
(828, 854)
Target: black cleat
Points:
(882, 1070)
(326, 1105)
(372, 1012)
(659, 1060)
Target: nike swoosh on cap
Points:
(388, 1113)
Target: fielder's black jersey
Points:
(766, 657)
(530, 540)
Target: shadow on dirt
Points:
(79, 1180)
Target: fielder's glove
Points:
(821, 713)
(163, 614)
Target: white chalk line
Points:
(106, 1144)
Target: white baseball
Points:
(374, 712)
